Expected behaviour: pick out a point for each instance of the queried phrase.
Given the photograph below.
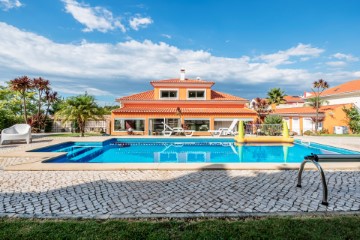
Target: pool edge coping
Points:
(37, 164)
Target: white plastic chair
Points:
(16, 132)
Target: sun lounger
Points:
(176, 130)
(225, 131)
(317, 159)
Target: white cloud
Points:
(282, 57)
(94, 18)
(336, 64)
(9, 4)
(105, 69)
(140, 22)
(345, 57)
(166, 36)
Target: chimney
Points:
(182, 74)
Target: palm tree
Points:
(79, 109)
(316, 101)
(276, 96)
(22, 85)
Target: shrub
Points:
(353, 116)
(272, 130)
(273, 119)
(324, 131)
(292, 133)
(308, 133)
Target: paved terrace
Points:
(122, 194)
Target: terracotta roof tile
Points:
(306, 110)
(215, 95)
(289, 99)
(351, 86)
(183, 110)
(148, 95)
(297, 110)
(177, 80)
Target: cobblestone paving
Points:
(104, 194)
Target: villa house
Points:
(301, 119)
(188, 103)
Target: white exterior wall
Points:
(290, 105)
(308, 124)
(343, 100)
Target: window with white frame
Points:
(196, 94)
(169, 94)
(124, 124)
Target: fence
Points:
(264, 129)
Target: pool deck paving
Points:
(184, 193)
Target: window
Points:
(122, 124)
(197, 125)
(169, 94)
(196, 94)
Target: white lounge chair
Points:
(176, 130)
(16, 132)
(225, 131)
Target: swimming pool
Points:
(183, 151)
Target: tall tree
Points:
(261, 106)
(41, 86)
(51, 97)
(80, 109)
(22, 85)
(10, 108)
(317, 89)
(276, 96)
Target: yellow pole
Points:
(241, 132)
(285, 130)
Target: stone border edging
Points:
(177, 215)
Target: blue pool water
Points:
(183, 151)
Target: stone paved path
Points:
(106, 194)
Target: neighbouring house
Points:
(181, 102)
(345, 93)
(301, 119)
(292, 101)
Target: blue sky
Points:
(114, 48)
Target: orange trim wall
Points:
(147, 116)
(182, 91)
(334, 116)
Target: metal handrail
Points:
(314, 159)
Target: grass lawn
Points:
(335, 227)
(74, 134)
